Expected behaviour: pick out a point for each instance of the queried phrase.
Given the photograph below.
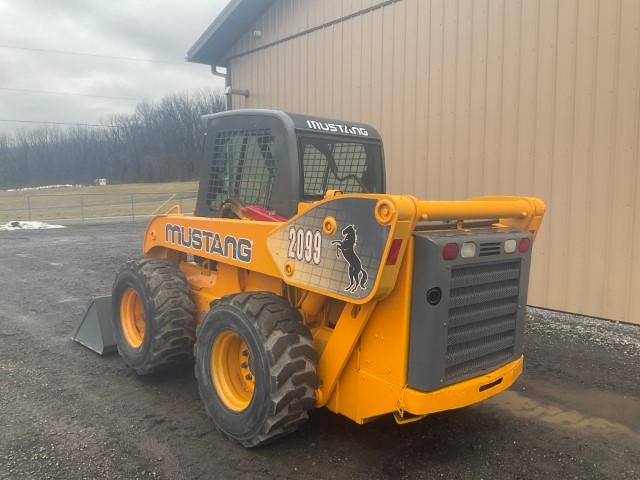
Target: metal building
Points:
(532, 97)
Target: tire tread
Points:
(174, 332)
(288, 343)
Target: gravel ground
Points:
(67, 413)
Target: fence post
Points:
(29, 207)
(82, 207)
(133, 215)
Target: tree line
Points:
(158, 142)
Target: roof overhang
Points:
(213, 46)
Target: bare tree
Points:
(158, 142)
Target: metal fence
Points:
(92, 207)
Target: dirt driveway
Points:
(67, 413)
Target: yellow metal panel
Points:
(376, 397)
(341, 344)
(344, 399)
(464, 393)
(156, 239)
(384, 345)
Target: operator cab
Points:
(265, 162)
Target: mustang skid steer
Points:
(299, 283)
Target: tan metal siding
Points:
(534, 97)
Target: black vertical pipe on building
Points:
(227, 83)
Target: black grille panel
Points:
(490, 273)
(490, 248)
(483, 306)
(481, 330)
(475, 295)
(473, 367)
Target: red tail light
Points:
(523, 245)
(394, 250)
(450, 251)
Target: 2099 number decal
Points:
(305, 245)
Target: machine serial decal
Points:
(305, 245)
(337, 128)
(209, 242)
(357, 275)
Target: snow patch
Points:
(20, 225)
(43, 187)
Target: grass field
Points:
(133, 199)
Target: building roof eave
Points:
(213, 46)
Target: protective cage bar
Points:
(473, 209)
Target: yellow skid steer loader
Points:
(299, 283)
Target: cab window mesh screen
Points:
(315, 171)
(243, 167)
(347, 166)
(351, 160)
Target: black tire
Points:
(282, 359)
(169, 324)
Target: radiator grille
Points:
(483, 306)
(490, 248)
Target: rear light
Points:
(394, 250)
(468, 250)
(510, 246)
(523, 245)
(450, 251)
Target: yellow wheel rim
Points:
(230, 371)
(132, 318)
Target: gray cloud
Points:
(161, 30)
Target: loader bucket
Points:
(95, 331)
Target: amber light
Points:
(450, 251)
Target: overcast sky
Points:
(151, 29)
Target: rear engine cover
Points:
(467, 314)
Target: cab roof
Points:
(306, 123)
